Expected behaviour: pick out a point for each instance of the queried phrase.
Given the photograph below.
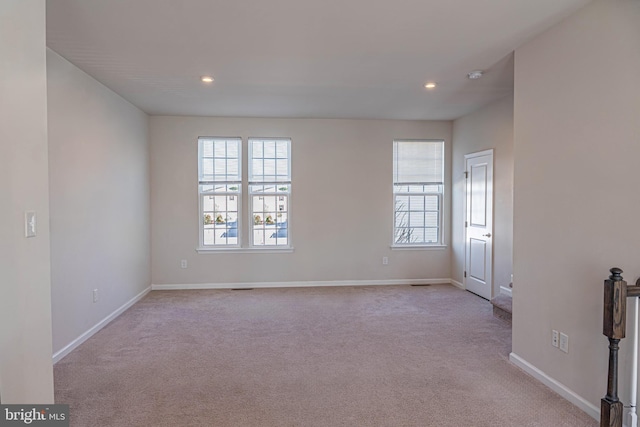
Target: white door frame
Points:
(481, 235)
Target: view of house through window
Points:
(221, 192)
(418, 187)
(220, 186)
(269, 189)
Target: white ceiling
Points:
(301, 58)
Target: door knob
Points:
(487, 235)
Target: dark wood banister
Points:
(616, 292)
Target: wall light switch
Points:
(30, 224)
(564, 342)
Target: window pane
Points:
(232, 204)
(432, 188)
(416, 219)
(431, 219)
(432, 203)
(257, 148)
(208, 236)
(220, 203)
(207, 148)
(282, 150)
(281, 204)
(402, 203)
(282, 168)
(416, 203)
(431, 235)
(417, 235)
(207, 170)
(207, 204)
(220, 169)
(258, 236)
(233, 150)
(269, 167)
(257, 168)
(258, 204)
(270, 149)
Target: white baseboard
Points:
(556, 386)
(457, 284)
(299, 284)
(101, 324)
(506, 291)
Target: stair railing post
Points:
(614, 325)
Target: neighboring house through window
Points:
(418, 188)
(221, 190)
(269, 191)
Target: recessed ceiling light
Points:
(430, 85)
(475, 74)
(206, 79)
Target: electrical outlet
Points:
(30, 224)
(95, 295)
(183, 263)
(564, 342)
(554, 338)
(385, 260)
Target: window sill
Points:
(418, 247)
(244, 250)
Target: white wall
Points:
(577, 204)
(489, 127)
(26, 373)
(100, 195)
(341, 204)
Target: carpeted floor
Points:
(348, 356)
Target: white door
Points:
(479, 223)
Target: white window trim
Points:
(245, 240)
(240, 250)
(408, 247)
(250, 219)
(441, 244)
(239, 194)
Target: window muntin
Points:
(418, 187)
(269, 191)
(220, 190)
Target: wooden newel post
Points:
(615, 311)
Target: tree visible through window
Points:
(418, 187)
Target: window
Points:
(269, 191)
(220, 190)
(418, 187)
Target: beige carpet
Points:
(355, 356)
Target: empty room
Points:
(297, 213)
